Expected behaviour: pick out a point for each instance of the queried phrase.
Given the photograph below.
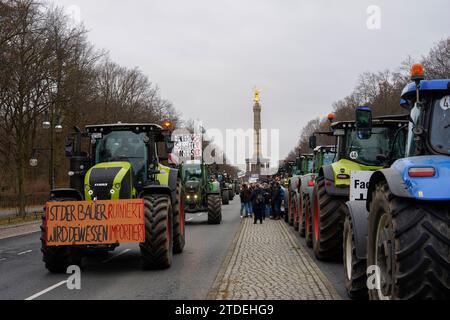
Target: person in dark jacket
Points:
(258, 204)
(245, 196)
(277, 198)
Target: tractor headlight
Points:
(188, 197)
(112, 191)
(90, 192)
(196, 197)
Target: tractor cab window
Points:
(367, 151)
(328, 158)
(440, 125)
(124, 146)
(309, 165)
(192, 173)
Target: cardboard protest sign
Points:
(187, 147)
(94, 222)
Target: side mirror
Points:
(405, 104)
(312, 142)
(364, 122)
(170, 145)
(69, 146)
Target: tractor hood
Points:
(109, 181)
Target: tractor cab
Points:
(375, 145)
(323, 156)
(429, 129)
(123, 160)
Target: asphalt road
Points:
(120, 275)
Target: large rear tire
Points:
(179, 236)
(290, 211)
(302, 217)
(295, 207)
(58, 259)
(214, 209)
(225, 197)
(409, 242)
(355, 269)
(328, 222)
(231, 197)
(157, 250)
(308, 222)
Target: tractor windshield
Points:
(123, 146)
(375, 150)
(192, 172)
(440, 125)
(309, 165)
(328, 158)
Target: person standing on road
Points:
(245, 196)
(258, 203)
(268, 201)
(278, 197)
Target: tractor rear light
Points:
(422, 172)
(310, 183)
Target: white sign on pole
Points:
(359, 185)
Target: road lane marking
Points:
(37, 295)
(25, 252)
(2, 259)
(117, 255)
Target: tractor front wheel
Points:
(179, 236)
(328, 221)
(157, 250)
(225, 197)
(355, 269)
(408, 245)
(58, 259)
(214, 209)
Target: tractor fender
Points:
(66, 193)
(330, 187)
(394, 180)
(158, 189)
(359, 216)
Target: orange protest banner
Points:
(90, 223)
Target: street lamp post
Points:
(53, 124)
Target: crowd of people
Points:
(262, 200)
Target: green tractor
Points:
(225, 187)
(323, 156)
(355, 152)
(301, 166)
(202, 191)
(122, 164)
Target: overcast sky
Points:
(207, 55)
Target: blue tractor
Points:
(405, 235)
